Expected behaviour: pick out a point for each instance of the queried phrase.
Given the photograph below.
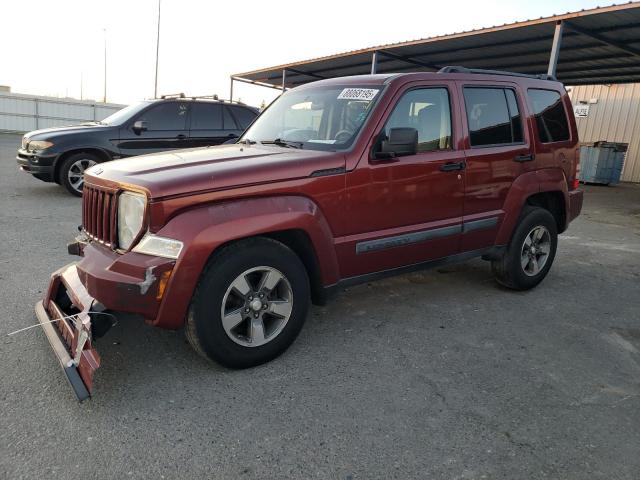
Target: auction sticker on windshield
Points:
(367, 94)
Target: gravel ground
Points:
(441, 374)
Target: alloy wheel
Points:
(257, 306)
(535, 250)
(75, 175)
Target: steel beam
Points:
(409, 60)
(555, 49)
(307, 74)
(256, 82)
(611, 43)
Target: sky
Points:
(57, 47)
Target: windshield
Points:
(316, 118)
(125, 114)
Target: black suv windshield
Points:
(125, 114)
(316, 118)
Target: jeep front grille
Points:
(99, 210)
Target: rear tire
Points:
(250, 303)
(71, 174)
(530, 253)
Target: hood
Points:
(46, 133)
(212, 168)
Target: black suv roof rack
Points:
(172, 95)
(459, 69)
(216, 98)
(196, 97)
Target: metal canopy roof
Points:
(601, 45)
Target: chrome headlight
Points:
(158, 246)
(38, 145)
(130, 217)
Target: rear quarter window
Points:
(551, 117)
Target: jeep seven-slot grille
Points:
(99, 208)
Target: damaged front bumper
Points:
(75, 309)
(65, 315)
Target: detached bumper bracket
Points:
(60, 349)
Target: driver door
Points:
(408, 209)
(167, 129)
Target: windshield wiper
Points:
(283, 143)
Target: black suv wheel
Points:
(71, 174)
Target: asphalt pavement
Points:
(441, 374)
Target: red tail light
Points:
(576, 182)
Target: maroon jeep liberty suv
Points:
(338, 182)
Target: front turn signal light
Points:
(162, 284)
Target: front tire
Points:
(530, 253)
(72, 171)
(250, 304)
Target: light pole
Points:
(104, 97)
(155, 91)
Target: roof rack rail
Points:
(216, 98)
(173, 95)
(459, 69)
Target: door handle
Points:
(525, 157)
(452, 166)
(181, 136)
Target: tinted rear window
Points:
(206, 116)
(244, 116)
(493, 116)
(551, 118)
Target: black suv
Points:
(62, 154)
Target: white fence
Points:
(24, 113)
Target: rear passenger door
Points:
(166, 129)
(497, 148)
(211, 124)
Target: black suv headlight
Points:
(38, 145)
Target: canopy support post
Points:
(555, 49)
(374, 63)
(284, 79)
(231, 90)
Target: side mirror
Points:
(139, 126)
(401, 141)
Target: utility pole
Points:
(155, 91)
(104, 97)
